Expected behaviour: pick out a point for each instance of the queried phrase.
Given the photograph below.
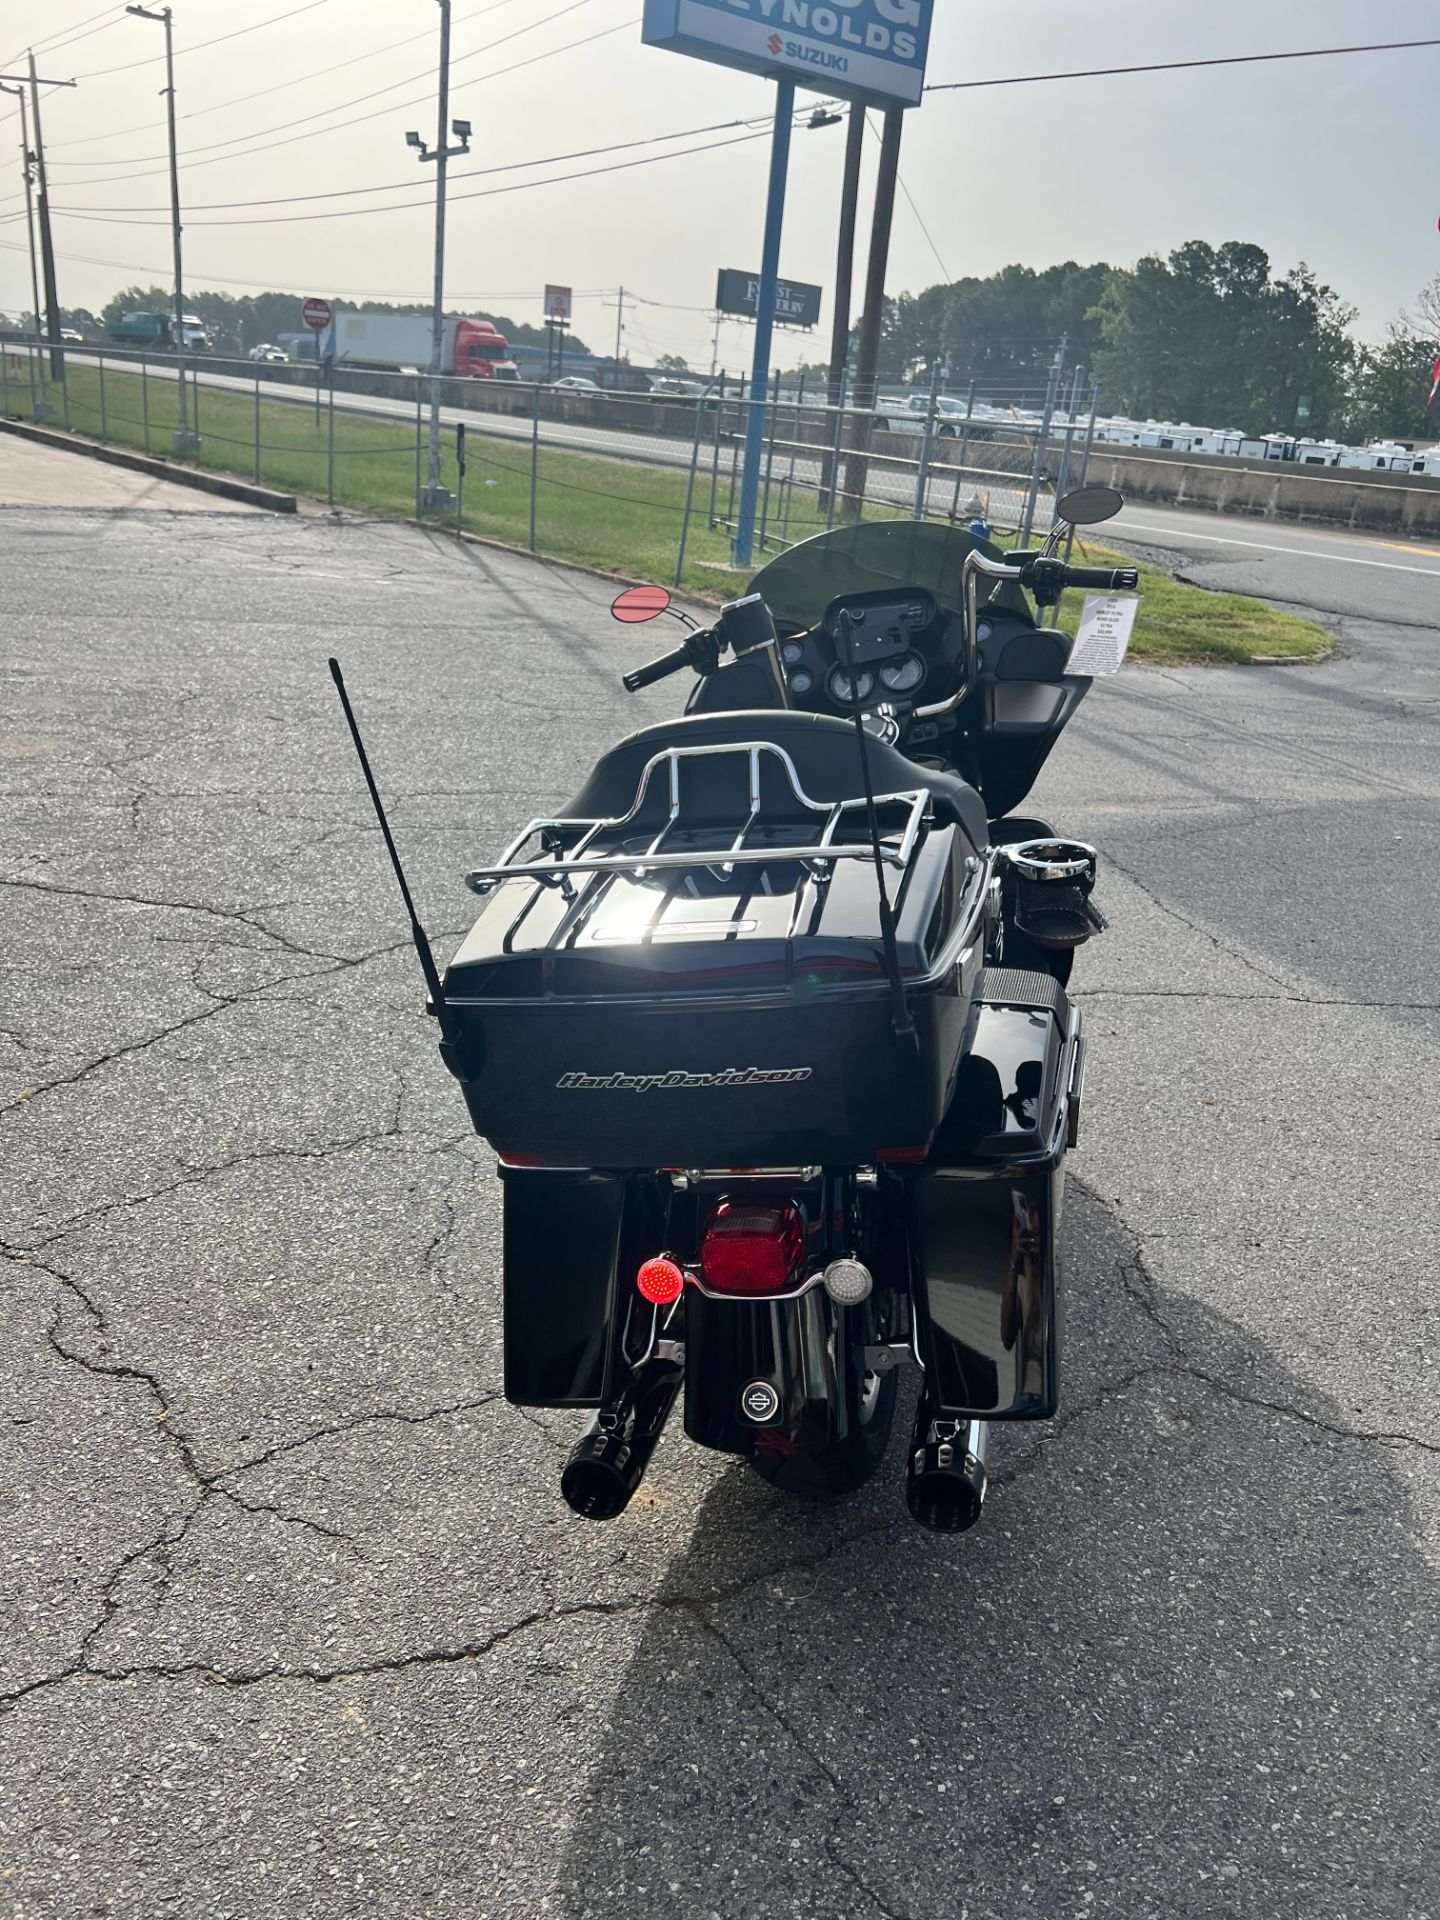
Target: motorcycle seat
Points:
(823, 749)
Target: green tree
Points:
(1209, 334)
(1390, 384)
(1001, 330)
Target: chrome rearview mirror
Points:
(1088, 506)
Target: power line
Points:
(85, 31)
(1176, 66)
(415, 295)
(910, 202)
(401, 206)
(243, 99)
(64, 36)
(103, 73)
(467, 173)
(258, 140)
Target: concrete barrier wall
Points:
(1274, 490)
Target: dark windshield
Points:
(799, 584)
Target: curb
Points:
(221, 484)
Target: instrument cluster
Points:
(870, 647)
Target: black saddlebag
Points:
(569, 1236)
(710, 1012)
(985, 1207)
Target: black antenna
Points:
(900, 1016)
(417, 932)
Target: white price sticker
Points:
(1104, 634)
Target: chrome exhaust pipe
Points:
(945, 1485)
(609, 1460)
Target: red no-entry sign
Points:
(316, 315)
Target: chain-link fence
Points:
(645, 484)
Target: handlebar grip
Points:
(654, 670)
(1107, 579)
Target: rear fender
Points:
(766, 1375)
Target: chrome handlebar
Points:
(975, 564)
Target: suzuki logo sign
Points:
(871, 50)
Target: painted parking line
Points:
(1261, 546)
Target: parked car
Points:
(267, 351)
(908, 413)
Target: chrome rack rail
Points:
(570, 845)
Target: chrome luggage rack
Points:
(579, 846)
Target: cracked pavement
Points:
(294, 1621)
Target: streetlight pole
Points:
(28, 161)
(435, 496)
(184, 441)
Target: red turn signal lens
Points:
(660, 1282)
(753, 1250)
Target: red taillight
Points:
(753, 1250)
(660, 1282)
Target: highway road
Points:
(295, 1620)
(1331, 574)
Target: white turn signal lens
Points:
(847, 1282)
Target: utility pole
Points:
(845, 255)
(620, 304)
(47, 244)
(844, 276)
(867, 358)
(28, 163)
(744, 538)
(184, 442)
(436, 497)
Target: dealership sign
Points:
(797, 304)
(860, 49)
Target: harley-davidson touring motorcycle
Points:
(768, 1028)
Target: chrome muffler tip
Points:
(946, 1482)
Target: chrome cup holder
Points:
(1041, 860)
(1048, 890)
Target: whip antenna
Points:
(417, 932)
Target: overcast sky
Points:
(1330, 161)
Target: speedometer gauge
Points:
(847, 689)
(903, 675)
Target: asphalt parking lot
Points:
(294, 1621)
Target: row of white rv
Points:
(1384, 456)
(1380, 456)
(911, 412)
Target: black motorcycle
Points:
(768, 1028)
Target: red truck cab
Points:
(481, 353)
